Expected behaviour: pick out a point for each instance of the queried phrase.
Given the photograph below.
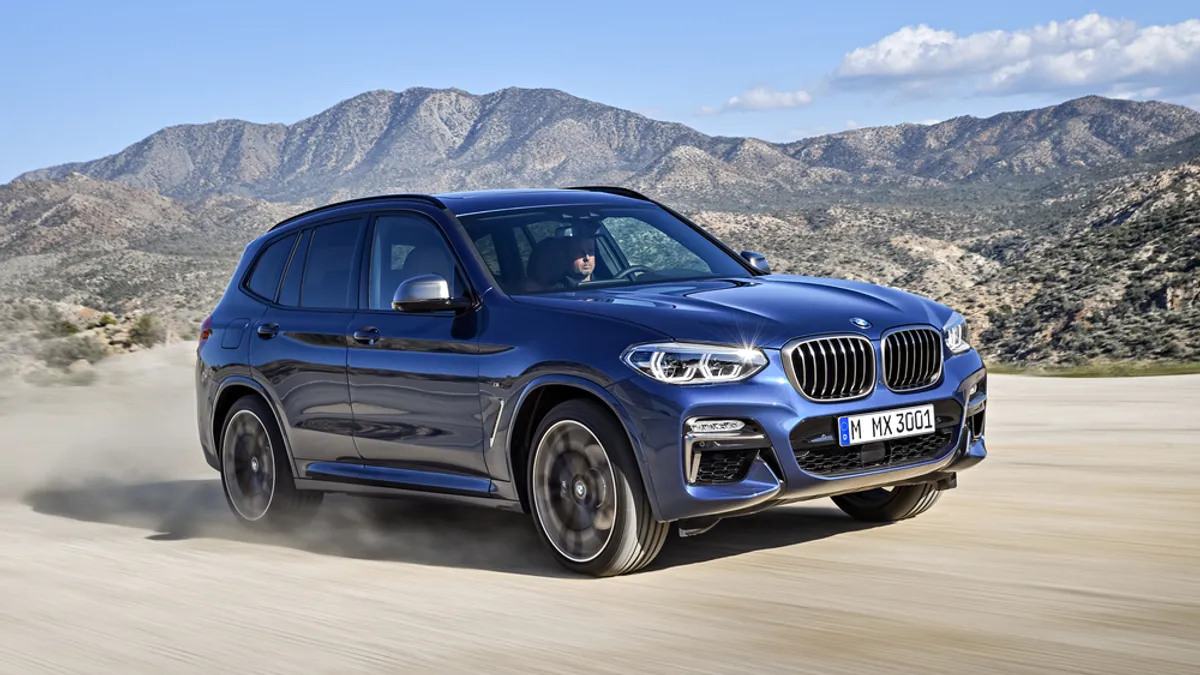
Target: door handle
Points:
(268, 330)
(366, 335)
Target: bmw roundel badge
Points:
(861, 323)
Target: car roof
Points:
(478, 201)
(463, 203)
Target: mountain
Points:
(440, 140)
(107, 245)
(1079, 133)
(1064, 234)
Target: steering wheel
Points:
(631, 270)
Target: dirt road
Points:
(1074, 548)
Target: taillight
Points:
(205, 331)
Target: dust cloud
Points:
(135, 423)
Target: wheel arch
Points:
(536, 400)
(229, 392)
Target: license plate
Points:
(885, 425)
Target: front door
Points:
(299, 345)
(414, 376)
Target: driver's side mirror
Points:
(757, 260)
(426, 293)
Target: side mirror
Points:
(758, 261)
(426, 293)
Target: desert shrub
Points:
(57, 328)
(65, 351)
(147, 330)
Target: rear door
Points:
(299, 345)
(414, 382)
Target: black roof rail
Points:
(612, 190)
(360, 200)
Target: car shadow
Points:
(417, 531)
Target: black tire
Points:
(882, 505)
(256, 476)
(581, 476)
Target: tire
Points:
(882, 505)
(586, 494)
(256, 476)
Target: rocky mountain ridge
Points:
(437, 140)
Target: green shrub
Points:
(65, 351)
(147, 331)
(57, 328)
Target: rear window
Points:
(328, 282)
(264, 277)
(289, 293)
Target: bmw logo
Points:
(861, 323)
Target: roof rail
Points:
(612, 190)
(360, 200)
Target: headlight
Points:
(680, 363)
(956, 335)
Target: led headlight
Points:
(956, 335)
(683, 363)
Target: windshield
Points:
(580, 247)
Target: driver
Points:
(563, 260)
(581, 259)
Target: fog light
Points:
(716, 426)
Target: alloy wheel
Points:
(574, 491)
(248, 463)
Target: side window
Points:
(524, 245)
(405, 246)
(487, 250)
(328, 273)
(289, 295)
(268, 269)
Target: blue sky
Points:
(82, 80)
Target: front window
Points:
(579, 247)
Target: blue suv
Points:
(587, 356)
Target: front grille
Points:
(912, 359)
(832, 368)
(814, 443)
(724, 466)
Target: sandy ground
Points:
(1075, 548)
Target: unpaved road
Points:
(1075, 548)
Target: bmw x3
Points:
(587, 356)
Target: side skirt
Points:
(381, 481)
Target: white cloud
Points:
(851, 124)
(761, 98)
(1092, 53)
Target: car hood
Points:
(765, 311)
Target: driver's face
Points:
(583, 255)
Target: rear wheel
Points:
(889, 504)
(588, 501)
(256, 476)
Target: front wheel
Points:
(588, 501)
(255, 472)
(882, 505)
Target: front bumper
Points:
(788, 450)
